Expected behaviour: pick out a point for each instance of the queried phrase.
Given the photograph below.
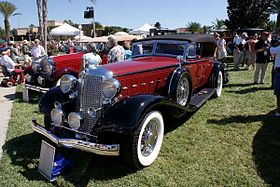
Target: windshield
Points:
(159, 47)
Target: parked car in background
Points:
(121, 108)
(47, 72)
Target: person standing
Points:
(91, 57)
(26, 53)
(37, 50)
(116, 52)
(262, 49)
(238, 53)
(276, 82)
(252, 51)
(220, 51)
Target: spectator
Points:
(238, 53)
(37, 50)
(220, 51)
(14, 52)
(116, 52)
(126, 46)
(91, 57)
(252, 51)
(276, 83)
(262, 58)
(11, 65)
(26, 53)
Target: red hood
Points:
(66, 57)
(139, 64)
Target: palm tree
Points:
(40, 18)
(45, 23)
(218, 23)
(7, 9)
(194, 27)
(275, 9)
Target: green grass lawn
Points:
(230, 141)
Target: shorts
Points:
(276, 83)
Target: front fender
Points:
(126, 115)
(46, 102)
(57, 74)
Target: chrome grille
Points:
(90, 97)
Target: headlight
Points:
(57, 116)
(74, 120)
(110, 88)
(67, 83)
(27, 77)
(35, 67)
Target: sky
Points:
(125, 13)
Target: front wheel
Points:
(219, 85)
(143, 146)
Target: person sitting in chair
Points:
(11, 65)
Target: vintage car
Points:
(121, 108)
(46, 72)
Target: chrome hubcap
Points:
(182, 91)
(149, 138)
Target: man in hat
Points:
(37, 51)
(238, 53)
(14, 52)
(262, 49)
(11, 65)
(26, 53)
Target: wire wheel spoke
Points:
(149, 138)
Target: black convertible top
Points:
(201, 38)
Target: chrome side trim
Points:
(35, 88)
(100, 149)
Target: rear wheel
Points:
(219, 85)
(143, 146)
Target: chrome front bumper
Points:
(100, 149)
(35, 88)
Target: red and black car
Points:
(46, 72)
(120, 108)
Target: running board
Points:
(200, 98)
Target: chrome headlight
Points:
(67, 83)
(57, 116)
(110, 88)
(74, 120)
(35, 67)
(27, 77)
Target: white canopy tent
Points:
(144, 29)
(82, 37)
(65, 30)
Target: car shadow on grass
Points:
(24, 152)
(265, 145)
(248, 90)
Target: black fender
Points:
(174, 78)
(46, 102)
(126, 115)
(218, 66)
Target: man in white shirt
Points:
(37, 50)
(276, 83)
(10, 65)
(238, 52)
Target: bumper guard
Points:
(35, 88)
(100, 149)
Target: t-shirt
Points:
(240, 42)
(8, 63)
(276, 51)
(92, 59)
(38, 51)
(262, 57)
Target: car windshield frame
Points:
(155, 44)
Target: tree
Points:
(275, 9)
(7, 9)
(194, 27)
(271, 26)
(45, 23)
(158, 25)
(98, 25)
(40, 18)
(69, 21)
(218, 23)
(248, 13)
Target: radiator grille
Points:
(90, 97)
